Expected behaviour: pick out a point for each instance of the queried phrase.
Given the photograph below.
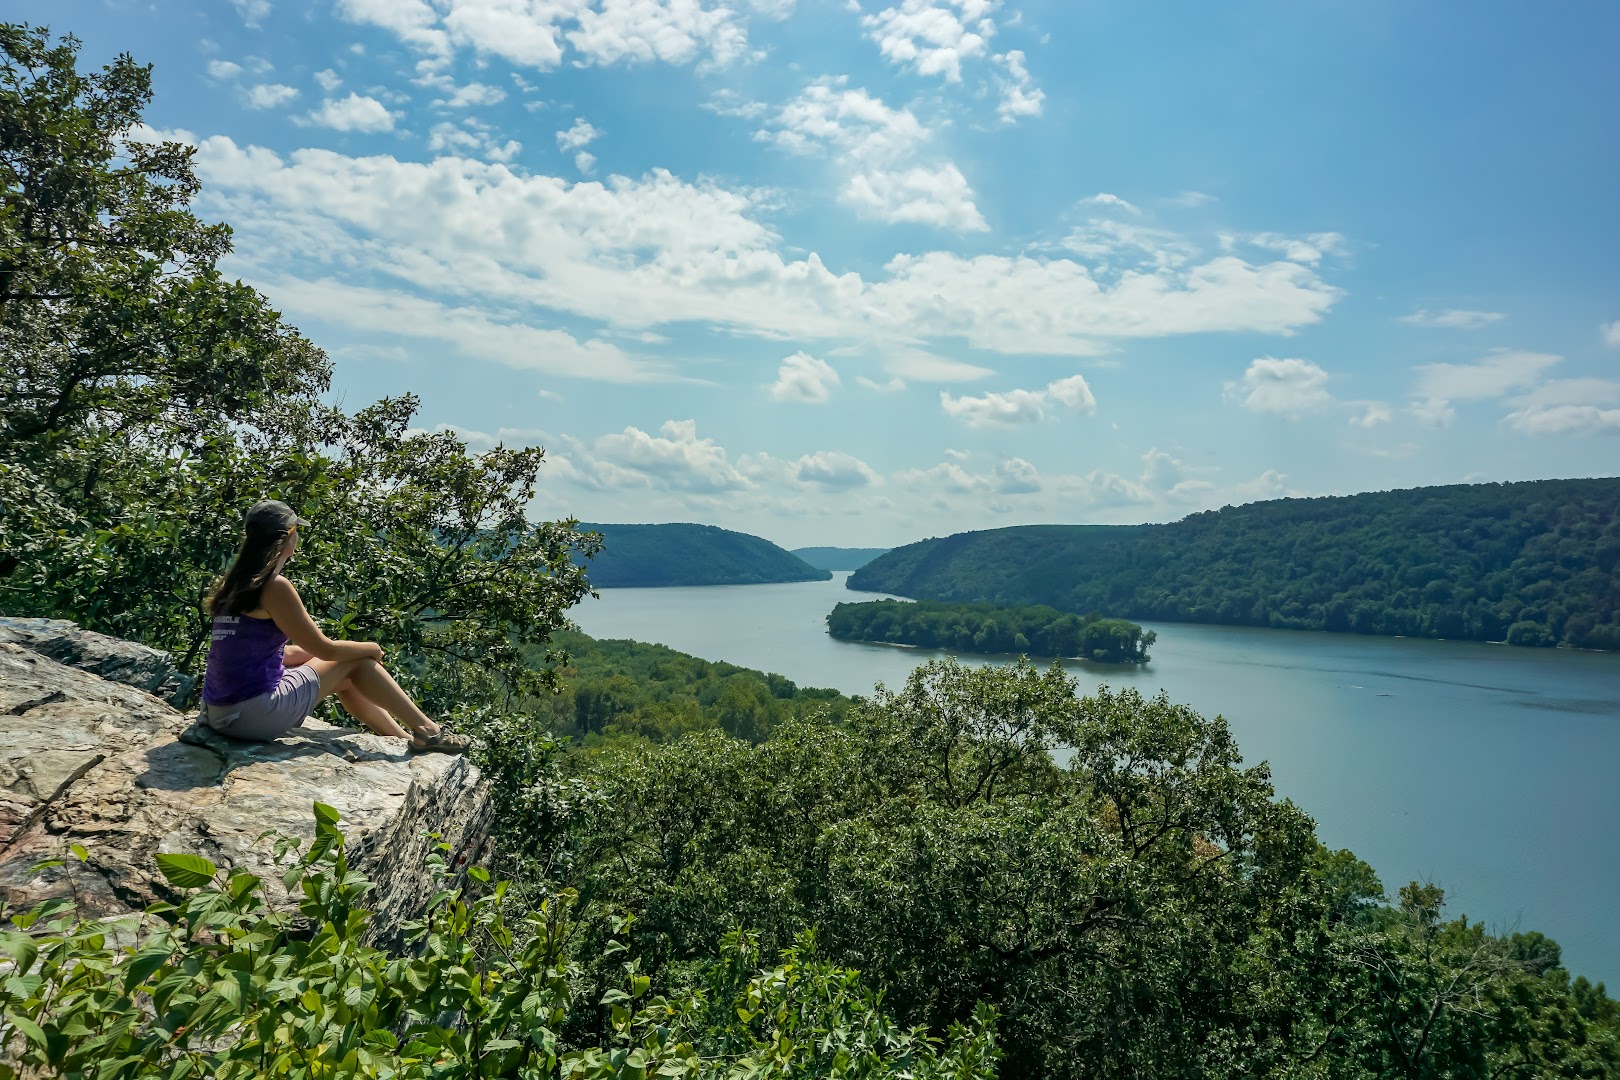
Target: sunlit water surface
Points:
(1488, 770)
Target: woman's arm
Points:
(294, 656)
(281, 600)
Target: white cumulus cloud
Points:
(542, 33)
(1073, 392)
(926, 195)
(880, 150)
(946, 476)
(1015, 476)
(834, 470)
(1019, 96)
(639, 254)
(328, 80)
(933, 37)
(995, 408)
(578, 136)
(1006, 408)
(671, 31)
(270, 95)
(804, 378)
(1169, 476)
(674, 458)
(475, 94)
(353, 113)
(1611, 334)
(829, 116)
(414, 22)
(1285, 387)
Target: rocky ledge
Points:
(87, 759)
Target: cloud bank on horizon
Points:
(861, 272)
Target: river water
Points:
(1488, 770)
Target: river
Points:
(1488, 770)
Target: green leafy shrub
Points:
(232, 990)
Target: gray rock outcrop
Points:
(112, 658)
(91, 761)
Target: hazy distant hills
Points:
(1534, 563)
(838, 558)
(655, 555)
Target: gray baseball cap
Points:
(272, 516)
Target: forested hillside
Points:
(648, 555)
(1534, 563)
(838, 558)
(613, 688)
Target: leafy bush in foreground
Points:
(234, 990)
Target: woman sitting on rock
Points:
(258, 687)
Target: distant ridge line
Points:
(686, 553)
(1529, 563)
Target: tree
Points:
(117, 332)
(1126, 913)
(145, 401)
(1105, 871)
(1445, 998)
(233, 989)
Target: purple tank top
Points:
(244, 659)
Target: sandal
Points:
(442, 743)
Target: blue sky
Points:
(847, 272)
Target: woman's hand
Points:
(361, 650)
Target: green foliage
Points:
(232, 989)
(120, 343)
(656, 555)
(613, 689)
(145, 402)
(986, 628)
(1533, 563)
(1103, 870)
(1446, 998)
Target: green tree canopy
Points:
(146, 401)
(1534, 563)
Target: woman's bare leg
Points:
(376, 693)
(369, 713)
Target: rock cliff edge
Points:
(91, 755)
